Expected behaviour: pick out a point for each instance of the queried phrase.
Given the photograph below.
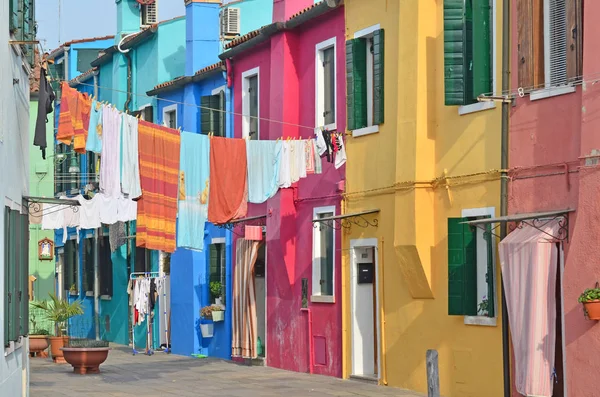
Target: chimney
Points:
(202, 34)
(128, 17)
(284, 9)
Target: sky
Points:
(77, 21)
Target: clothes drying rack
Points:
(151, 275)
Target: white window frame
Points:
(480, 106)
(484, 320)
(218, 90)
(370, 128)
(165, 113)
(246, 101)
(316, 296)
(320, 84)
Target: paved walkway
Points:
(169, 375)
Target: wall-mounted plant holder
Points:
(218, 315)
(590, 298)
(207, 329)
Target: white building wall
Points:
(14, 181)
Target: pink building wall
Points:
(547, 138)
(287, 93)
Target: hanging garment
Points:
(309, 155)
(82, 122)
(126, 209)
(294, 160)
(130, 181)
(116, 236)
(152, 295)
(320, 142)
(244, 327)
(68, 108)
(329, 146)
(110, 178)
(107, 208)
(285, 177)
(194, 180)
(228, 195)
(71, 219)
(159, 151)
(340, 155)
(89, 212)
(46, 99)
(52, 216)
(94, 141)
(301, 158)
(263, 169)
(317, 158)
(529, 264)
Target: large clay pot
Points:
(56, 344)
(593, 309)
(85, 360)
(38, 344)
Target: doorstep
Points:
(365, 379)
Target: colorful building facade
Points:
(423, 157)
(278, 74)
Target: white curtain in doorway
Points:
(529, 263)
(243, 343)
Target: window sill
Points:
(73, 293)
(476, 107)
(13, 346)
(550, 92)
(105, 297)
(480, 320)
(89, 293)
(322, 299)
(329, 127)
(365, 131)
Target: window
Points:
(88, 265)
(549, 42)
(91, 161)
(364, 79)
(170, 116)
(216, 271)
(250, 106)
(325, 85)
(323, 256)
(85, 57)
(70, 267)
(212, 115)
(471, 278)
(105, 267)
(16, 275)
(142, 260)
(147, 113)
(467, 50)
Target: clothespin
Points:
(179, 129)
(139, 116)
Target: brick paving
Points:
(163, 374)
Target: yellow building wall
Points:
(393, 171)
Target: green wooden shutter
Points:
(13, 15)
(482, 52)
(7, 275)
(214, 270)
(378, 82)
(489, 277)
(24, 272)
(205, 115)
(105, 266)
(12, 289)
(356, 83)
(221, 115)
(458, 52)
(462, 268)
(215, 115)
(88, 264)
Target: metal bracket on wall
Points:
(347, 220)
(260, 220)
(35, 205)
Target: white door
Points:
(364, 312)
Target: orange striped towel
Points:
(159, 149)
(74, 118)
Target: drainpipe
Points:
(129, 79)
(310, 338)
(382, 315)
(504, 185)
(96, 284)
(66, 63)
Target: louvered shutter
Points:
(215, 104)
(574, 43)
(458, 52)
(88, 264)
(14, 309)
(9, 242)
(221, 115)
(24, 274)
(356, 83)
(205, 124)
(378, 81)
(489, 277)
(329, 85)
(557, 17)
(482, 49)
(105, 267)
(462, 268)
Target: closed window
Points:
(105, 267)
(88, 265)
(216, 272)
(170, 116)
(250, 106)
(212, 114)
(16, 275)
(323, 254)
(325, 85)
(70, 267)
(364, 79)
(147, 114)
(549, 42)
(142, 260)
(467, 50)
(471, 279)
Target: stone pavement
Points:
(169, 375)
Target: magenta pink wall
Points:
(552, 134)
(287, 93)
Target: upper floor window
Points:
(365, 79)
(250, 107)
(212, 113)
(170, 116)
(325, 101)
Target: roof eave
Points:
(138, 39)
(264, 35)
(314, 12)
(179, 83)
(204, 75)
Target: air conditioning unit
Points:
(149, 14)
(230, 22)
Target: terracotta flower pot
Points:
(85, 360)
(593, 309)
(56, 343)
(38, 344)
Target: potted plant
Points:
(73, 290)
(38, 342)
(483, 307)
(215, 291)
(85, 355)
(59, 311)
(217, 313)
(206, 324)
(591, 302)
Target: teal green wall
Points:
(41, 183)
